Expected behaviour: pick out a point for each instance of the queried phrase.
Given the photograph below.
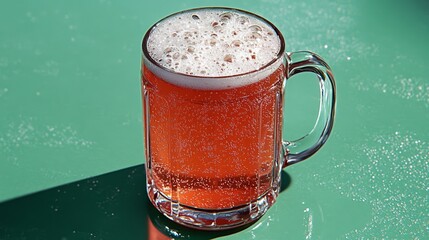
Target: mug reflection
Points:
(161, 228)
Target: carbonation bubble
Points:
(195, 17)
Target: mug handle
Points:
(304, 147)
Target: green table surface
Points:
(71, 143)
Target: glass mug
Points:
(213, 143)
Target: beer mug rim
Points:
(166, 72)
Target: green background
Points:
(71, 144)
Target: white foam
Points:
(210, 47)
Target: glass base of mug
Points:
(221, 219)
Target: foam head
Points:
(212, 43)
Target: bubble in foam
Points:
(228, 58)
(215, 40)
(254, 36)
(255, 28)
(191, 49)
(168, 50)
(211, 42)
(236, 43)
(225, 17)
(216, 26)
(243, 20)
